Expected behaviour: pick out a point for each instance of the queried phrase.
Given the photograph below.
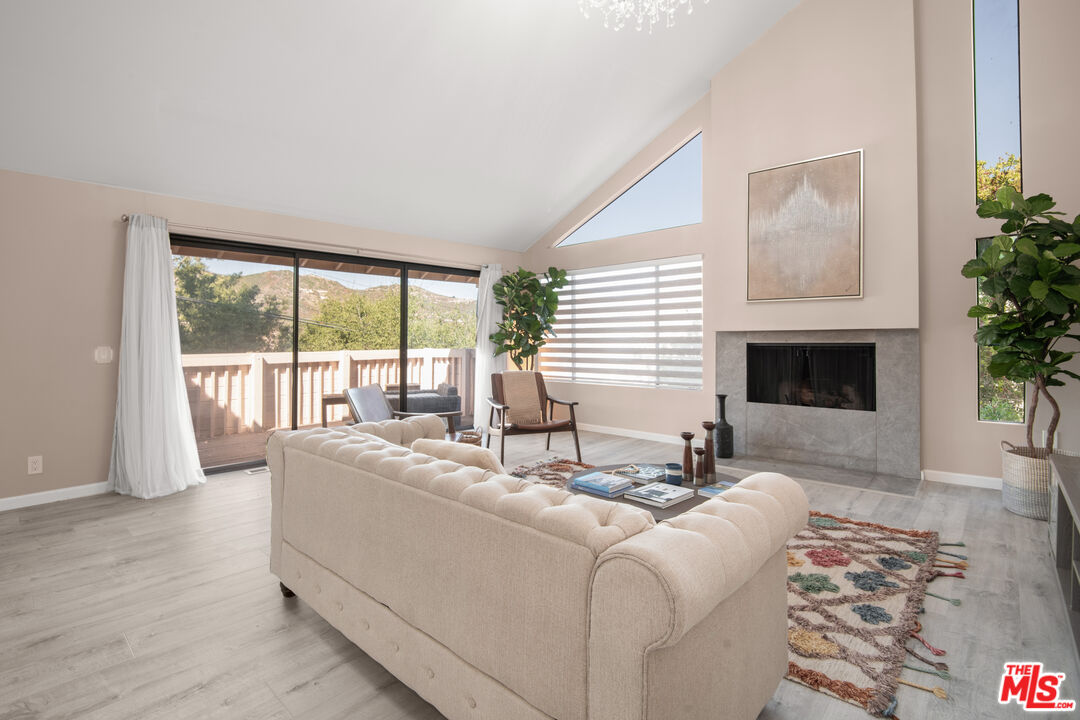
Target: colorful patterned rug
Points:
(855, 592)
(550, 472)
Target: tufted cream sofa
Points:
(497, 599)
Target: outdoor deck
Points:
(238, 399)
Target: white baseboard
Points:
(636, 434)
(951, 478)
(51, 496)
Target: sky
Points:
(669, 196)
(997, 79)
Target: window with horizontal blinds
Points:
(637, 324)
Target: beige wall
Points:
(61, 282)
(953, 438)
(831, 76)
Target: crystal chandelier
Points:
(616, 13)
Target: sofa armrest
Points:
(649, 590)
(275, 463)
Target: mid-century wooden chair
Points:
(369, 404)
(520, 399)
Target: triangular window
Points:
(668, 196)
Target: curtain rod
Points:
(338, 248)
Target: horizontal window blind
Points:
(637, 324)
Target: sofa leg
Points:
(286, 592)
(548, 442)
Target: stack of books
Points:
(660, 494)
(602, 484)
(714, 490)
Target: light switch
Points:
(103, 355)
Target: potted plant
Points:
(529, 306)
(1029, 300)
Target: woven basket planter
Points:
(1025, 480)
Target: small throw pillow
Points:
(459, 453)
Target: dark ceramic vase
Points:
(725, 434)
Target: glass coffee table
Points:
(657, 513)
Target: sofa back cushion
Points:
(491, 566)
(401, 432)
(462, 453)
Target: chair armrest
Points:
(568, 403)
(497, 406)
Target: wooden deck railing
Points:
(249, 392)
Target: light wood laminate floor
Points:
(116, 608)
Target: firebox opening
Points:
(839, 376)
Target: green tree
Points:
(436, 322)
(357, 322)
(371, 321)
(988, 180)
(217, 314)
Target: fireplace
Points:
(846, 399)
(826, 375)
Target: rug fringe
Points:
(931, 648)
(938, 574)
(940, 673)
(938, 692)
(952, 601)
(931, 663)
(950, 564)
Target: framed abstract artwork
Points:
(804, 230)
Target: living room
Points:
(794, 81)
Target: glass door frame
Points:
(183, 240)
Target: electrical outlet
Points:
(35, 465)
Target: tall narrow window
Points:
(997, 95)
(668, 196)
(637, 324)
(1000, 400)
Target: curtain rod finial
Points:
(124, 217)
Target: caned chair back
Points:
(368, 404)
(525, 394)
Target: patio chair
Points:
(369, 404)
(520, 399)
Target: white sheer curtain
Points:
(488, 315)
(154, 450)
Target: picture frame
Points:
(804, 235)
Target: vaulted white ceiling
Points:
(481, 121)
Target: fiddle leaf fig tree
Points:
(1029, 296)
(529, 306)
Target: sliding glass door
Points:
(271, 337)
(442, 342)
(350, 334)
(235, 313)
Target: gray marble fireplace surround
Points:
(883, 442)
